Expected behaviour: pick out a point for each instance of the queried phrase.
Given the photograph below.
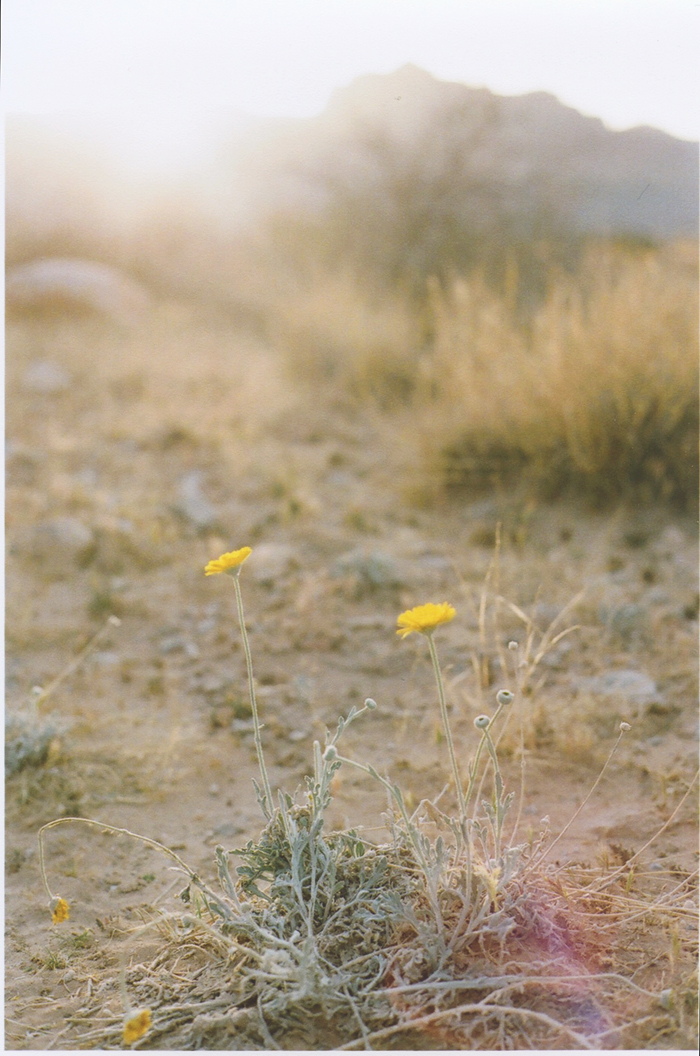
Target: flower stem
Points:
(498, 793)
(475, 765)
(446, 727)
(267, 792)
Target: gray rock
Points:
(372, 570)
(227, 828)
(46, 378)
(176, 643)
(270, 561)
(625, 622)
(658, 596)
(106, 658)
(192, 505)
(632, 685)
(58, 545)
(70, 286)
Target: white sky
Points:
(627, 61)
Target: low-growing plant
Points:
(449, 934)
(30, 731)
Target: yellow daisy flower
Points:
(59, 910)
(136, 1025)
(424, 618)
(228, 562)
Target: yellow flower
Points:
(136, 1025)
(228, 562)
(59, 910)
(424, 618)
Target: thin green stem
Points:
(568, 825)
(498, 791)
(446, 727)
(477, 757)
(44, 694)
(267, 792)
(118, 832)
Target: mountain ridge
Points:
(595, 180)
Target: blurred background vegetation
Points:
(511, 287)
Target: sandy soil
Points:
(134, 458)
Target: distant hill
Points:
(403, 177)
(525, 164)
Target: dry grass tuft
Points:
(596, 395)
(593, 392)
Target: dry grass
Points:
(594, 393)
(597, 395)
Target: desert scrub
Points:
(594, 394)
(447, 934)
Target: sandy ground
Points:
(132, 460)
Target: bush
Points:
(597, 395)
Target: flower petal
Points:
(59, 911)
(424, 618)
(227, 562)
(136, 1025)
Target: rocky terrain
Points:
(135, 456)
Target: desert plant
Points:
(596, 396)
(449, 931)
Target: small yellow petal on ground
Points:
(59, 911)
(424, 618)
(136, 1025)
(228, 562)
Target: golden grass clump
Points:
(597, 394)
(590, 390)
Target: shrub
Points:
(596, 395)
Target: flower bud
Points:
(330, 754)
(371, 704)
(625, 727)
(513, 646)
(504, 696)
(482, 722)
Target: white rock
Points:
(624, 683)
(46, 377)
(71, 285)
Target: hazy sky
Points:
(626, 61)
